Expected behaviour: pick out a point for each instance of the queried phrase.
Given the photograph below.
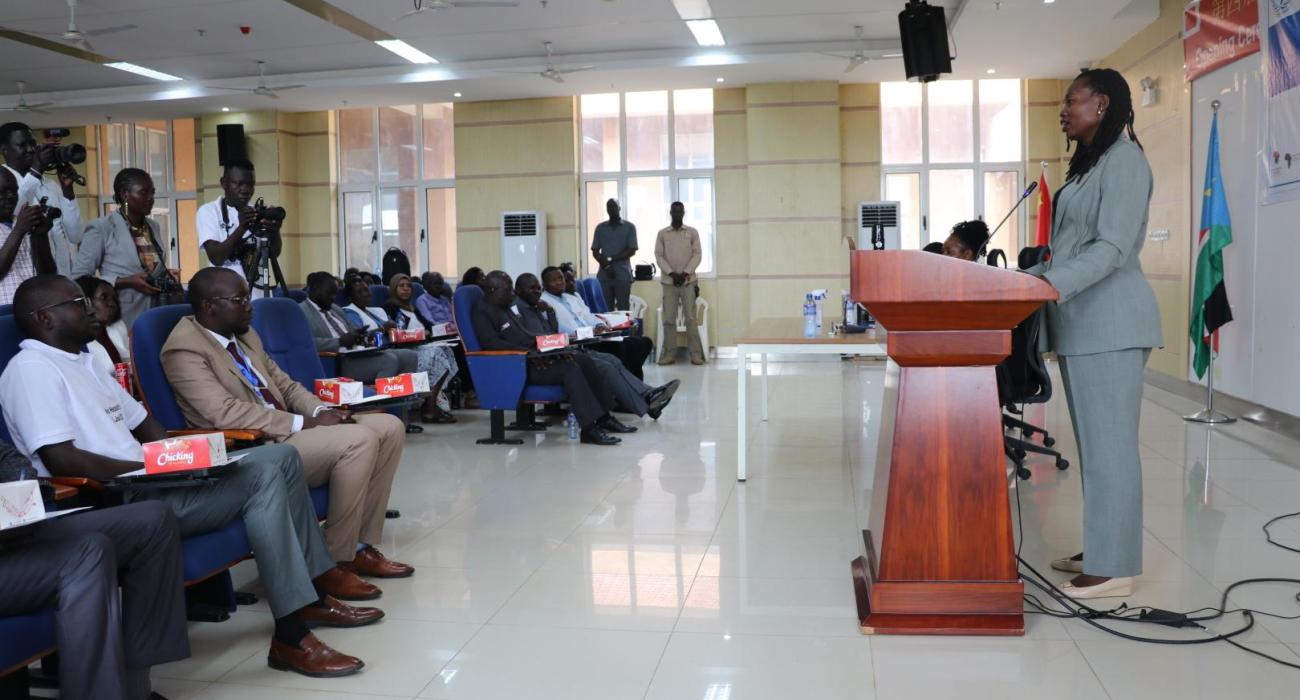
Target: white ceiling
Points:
(634, 44)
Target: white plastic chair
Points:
(701, 321)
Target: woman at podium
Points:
(1104, 325)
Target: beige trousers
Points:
(359, 462)
(685, 296)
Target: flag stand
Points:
(1208, 414)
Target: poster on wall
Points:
(1281, 62)
(1216, 33)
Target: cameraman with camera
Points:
(124, 248)
(28, 161)
(240, 235)
(25, 250)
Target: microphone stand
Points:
(1028, 191)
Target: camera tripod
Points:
(263, 266)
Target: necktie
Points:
(333, 322)
(252, 377)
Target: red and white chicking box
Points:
(184, 453)
(440, 329)
(398, 335)
(403, 384)
(546, 343)
(339, 390)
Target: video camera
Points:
(67, 154)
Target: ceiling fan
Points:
(422, 6)
(78, 38)
(859, 55)
(22, 105)
(551, 72)
(262, 89)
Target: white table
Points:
(768, 336)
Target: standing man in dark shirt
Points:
(613, 245)
(499, 327)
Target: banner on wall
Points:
(1281, 62)
(1216, 33)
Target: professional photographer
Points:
(123, 249)
(25, 250)
(28, 161)
(236, 234)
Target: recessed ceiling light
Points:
(991, 71)
(706, 31)
(455, 94)
(141, 70)
(405, 50)
(225, 109)
(720, 79)
(1048, 2)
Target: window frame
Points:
(420, 184)
(674, 175)
(977, 166)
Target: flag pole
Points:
(1208, 414)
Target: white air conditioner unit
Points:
(523, 242)
(878, 226)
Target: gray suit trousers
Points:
(629, 391)
(269, 492)
(76, 565)
(1104, 393)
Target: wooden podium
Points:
(940, 556)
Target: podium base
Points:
(1210, 416)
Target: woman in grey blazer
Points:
(1104, 325)
(117, 247)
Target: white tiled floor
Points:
(554, 570)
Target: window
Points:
(165, 150)
(647, 150)
(952, 151)
(397, 165)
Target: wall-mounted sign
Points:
(1218, 32)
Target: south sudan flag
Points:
(1210, 308)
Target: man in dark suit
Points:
(499, 327)
(107, 642)
(633, 395)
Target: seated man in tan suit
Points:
(224, 379)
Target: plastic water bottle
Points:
(850, 310)
(809, 316)
(572, 422)
(817, 301)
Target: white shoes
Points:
(1074, 566)
(1119, 587)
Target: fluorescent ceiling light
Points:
(455, 94)
(693, 9)
(225, 109)
(721, 80)
(405, 50)
(141, 70)
(706, 32)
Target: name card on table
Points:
(184, 453)
(405, 384)
(547, 343)
(20, 503)
(397, 335)
(586, 333)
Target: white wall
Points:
(1258, 360)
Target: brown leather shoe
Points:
(336, 613)
(312, 657)
(369, 562)
(343, 584)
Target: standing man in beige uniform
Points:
(678, 253)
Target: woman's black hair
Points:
(90, 284)
(472, 276)
(125, 178)
(1117, 120)
(974, 235)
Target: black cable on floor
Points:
(1073, 609)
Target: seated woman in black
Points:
(968, 241)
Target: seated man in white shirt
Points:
(572, 313)
(71, 419)
(28, 162)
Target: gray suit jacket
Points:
(108, 251)
(320, 330)
(1098, 226)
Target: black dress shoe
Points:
(597, 436)
(658, 398)
(614, 425)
